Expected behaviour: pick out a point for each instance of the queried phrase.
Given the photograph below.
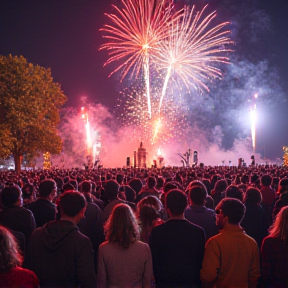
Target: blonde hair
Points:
(10, 256)
(280, 227)
(121, 227)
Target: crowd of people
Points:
(145, 227)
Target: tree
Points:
(29, 109)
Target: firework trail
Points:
(134, 36)
(193, 49)
(253, 122)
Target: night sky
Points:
(64, 35)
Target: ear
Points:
(82, 212)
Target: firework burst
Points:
(160, 128)
(134, 37)
(193, 50)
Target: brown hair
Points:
(121, 227)
(9, 251)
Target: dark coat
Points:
(19, 219)
(61, 256)
(177, 248)
(44, 211)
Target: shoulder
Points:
(21, 277)
(269, 240)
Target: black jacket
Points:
(61, 256)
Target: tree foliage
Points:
(29, 109)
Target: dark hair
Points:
(266, 180)
(68, 186)
(151, 182)
(252, 196)
(27, 191)
(71, 203)
(85, 186)
(233, 191)
(130, 194)
(150, 201)
(46, 187)
(220, 186)
(135, 184)
(176, 201)
(147, 214)
(283, 185)
(119, 178)
(169, 186)
(9, 251)
(197, 194)
(111, 189)
(10, 195)
(245, 179)
(233, 208)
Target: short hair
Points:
(151, 181)
(176, 201)
(9, 251)
(10, 195)
(220, 186)
(252, 196)
(130, 194)
(266, 180)
(197, 194)
(71, 203)
(169, 186)
(119, 178)
(68, 186)
(245, 179)
(233, 191)
(135, 184)
(121, 226)
(46, 187)
(85, 186)
(111, 189)
(233, 208)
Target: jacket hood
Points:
(55, 233)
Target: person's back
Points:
(268, 193)
(198, 214)
(58, 253)
(14, 216)
(11, 272)
(43, 209)
(274, 256)
(177, 246)
(254, 221)
(123, 260)
(231, 257)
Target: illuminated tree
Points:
(29, 109)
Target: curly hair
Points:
(121, 227)
(10, 256)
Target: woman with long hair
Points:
(11, 274)
(123, 260)
(255, 221)
(274, 253)
(148, 219)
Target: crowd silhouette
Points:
(181, 227)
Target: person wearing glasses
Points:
(231, 257)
